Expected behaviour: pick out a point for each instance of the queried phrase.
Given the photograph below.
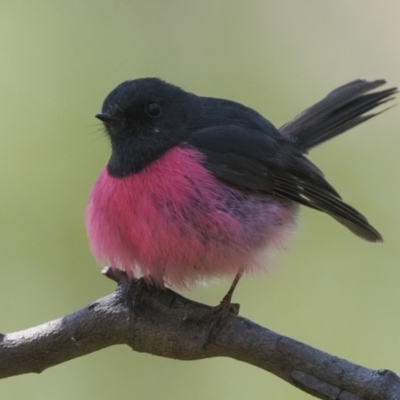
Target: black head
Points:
(144, 118)
(142, 105)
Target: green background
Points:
(59, 59)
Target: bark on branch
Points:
(169, 325)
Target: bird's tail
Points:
(342, 109)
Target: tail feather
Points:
(339, 111)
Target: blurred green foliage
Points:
(59, 59)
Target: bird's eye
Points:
(153, 109)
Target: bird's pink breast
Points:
(176, 224)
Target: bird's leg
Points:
(222, 310)
(226, 300)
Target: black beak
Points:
(106, 118)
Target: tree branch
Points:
(169, 325)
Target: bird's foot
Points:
(133, 294)
(219, 316)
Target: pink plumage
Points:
(175, 224)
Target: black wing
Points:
(256, 161)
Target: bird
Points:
(200, 188)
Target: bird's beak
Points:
(106, 118)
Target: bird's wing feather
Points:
(255, 161)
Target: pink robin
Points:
(197, 187)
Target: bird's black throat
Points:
(132, 154)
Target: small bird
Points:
(199, 188)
